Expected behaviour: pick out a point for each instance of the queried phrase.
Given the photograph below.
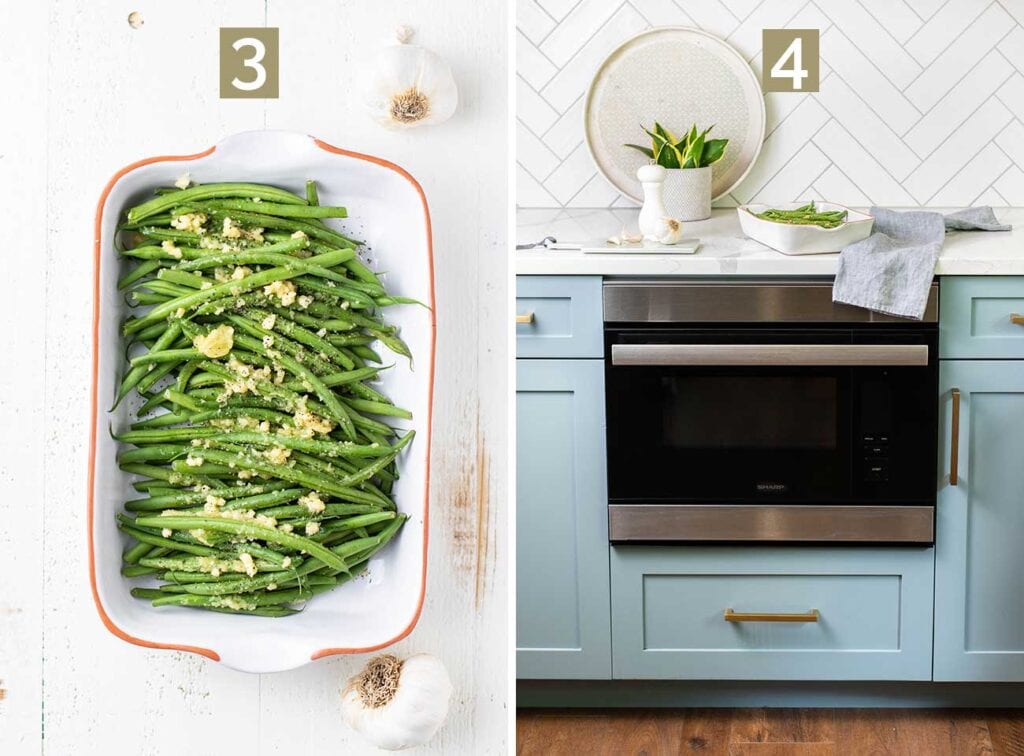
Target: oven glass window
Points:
(750, 412)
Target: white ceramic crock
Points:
(687, 193)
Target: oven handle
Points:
(771, 354)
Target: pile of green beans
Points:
(263, 455)
(806, 215)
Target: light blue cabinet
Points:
(979, 568)
(562, 593)
(714, 613)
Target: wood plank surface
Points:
(771, 732)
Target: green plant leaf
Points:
(664, 133)
(669, 156)
(696, 150)
(713, 150)
(646, 150)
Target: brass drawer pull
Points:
(1016, 319)
(954, 440)
(525, 319)
(731, 616)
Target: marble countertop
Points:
(725, 250)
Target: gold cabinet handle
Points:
(525, 318)
(954, 441)
(731, 616)
(1017, 319)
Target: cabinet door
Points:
(979, 569)
(562, 593)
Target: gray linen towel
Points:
(891, 271)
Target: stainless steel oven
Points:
(761, 411)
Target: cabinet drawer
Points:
(562, 314)
(872, 606)
(981, 317)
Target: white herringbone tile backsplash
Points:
(921, 101)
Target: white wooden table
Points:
(82, 94)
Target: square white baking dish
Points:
(388, 211)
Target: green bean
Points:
(249, 530)
(165, 202)
(283, 211)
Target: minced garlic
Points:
(283, 290)
(240, 272)
(193, 222)
(170, 248)
(248, 563)
(231, 230)
(305, 301)
(194, 461)
(166, 532)
(269, 322)
(183, 181)
(217, 342)
(278, 454)
(313, 502)
(312, 528)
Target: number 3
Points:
(260, 51)
(797, 73)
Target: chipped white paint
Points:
(92, 94)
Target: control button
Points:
(876, 470)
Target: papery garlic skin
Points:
(673, 232)
(415, 711)
(408, 85)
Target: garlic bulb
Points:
(672, 231)
(408, 85)
(397, 704)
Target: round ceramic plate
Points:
(677, 76)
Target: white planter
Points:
(687, 193)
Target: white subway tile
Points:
(898, 17)
(867, 126)
(835, 186)
(953, 154)
(972, 179)
(860, 167)
(1011, 186)
(533, 155)
(873, 41)
(942, 28)
(571, 176)
(530, 193)
(957, 60)
(796, 176)
(532, 109)
(531, 63)
(867, 81)
(574, 78)
(980, 83)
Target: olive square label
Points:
(249, 62)
(790, 60)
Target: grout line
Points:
(961, 123)
(926, 21)
(871, 63)
(950, 45)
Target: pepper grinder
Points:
(653, 213)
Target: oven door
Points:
(758, 416)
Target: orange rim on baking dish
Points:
(94, 404)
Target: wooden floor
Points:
(769, 732)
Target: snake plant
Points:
(693, 150)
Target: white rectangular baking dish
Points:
(804, 240)
(387, 210)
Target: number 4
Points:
(797, 73)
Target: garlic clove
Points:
(672, 232)
(614, 240)
(629, 238)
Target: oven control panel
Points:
(876, 457)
